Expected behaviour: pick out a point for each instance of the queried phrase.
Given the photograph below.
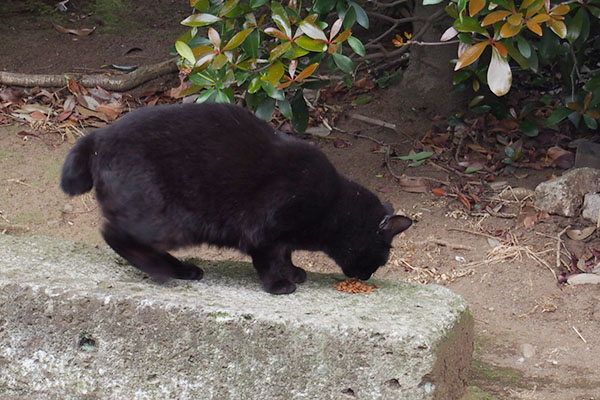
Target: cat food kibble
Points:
(354, 286)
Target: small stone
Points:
(521, 360)
(591, 207)
(564, 195)
(52, 223)
(528, 350)
(68, 208)
(581, 279)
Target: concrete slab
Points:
(78, 323)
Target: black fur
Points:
(180, 175)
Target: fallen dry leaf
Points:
(439, 192)
(463, 199)
(78, 32)
(413, 185)
(580, 234)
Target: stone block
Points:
(76, 322)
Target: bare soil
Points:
(534, 338)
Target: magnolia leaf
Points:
(229, 5)
(312, 30)
(509, 30)
(265, 109)
(285, 108)
(558, 115)
(523, 46)
(470, 55)
(535, 28)
(475, 6)
(281, 18)
(335, 28)
(343, 36)
(469, 24)
(205, 96)
(501, 48)
(450, 33)
(494, 17)
(431, 2)
(274, 73)
(279, 51)
(219, 61)
(310, 44)
(559, 28)
(361, 15)
(343, 62)
(590, 122)
(308, 71)
(300, 112)
(201, 19)
(184, 51)
(528, 128)
(357, 46)
(575, 26)
(324, 6)
(204, 60)
(423, 155)
(237, 39)
(499, 75)
(254, 85)
(292, 68)
(214, 37)
(272, 91)
(515, 19)
(470, 170)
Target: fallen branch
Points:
(119, 83)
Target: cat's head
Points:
(364, 253)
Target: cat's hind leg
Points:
(272, 268)
(158, 264)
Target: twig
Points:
(471, 232)
(558, 243)
(444, 243)
(358, 135)
(379, 122)
(579, 334)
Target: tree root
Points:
(115, 83)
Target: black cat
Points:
(179, 175)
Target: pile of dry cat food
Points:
(354, 286)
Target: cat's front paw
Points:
(280, 286)
(296, 275)
(189, 272)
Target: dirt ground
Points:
(534, 338)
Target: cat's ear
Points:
(390, 226)
(389, 208)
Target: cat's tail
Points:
(76, 175)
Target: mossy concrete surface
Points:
(76, 322)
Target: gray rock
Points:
(582, 279)
(564, 195)
(591, 207)
(75, 322)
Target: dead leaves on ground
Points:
(68, 111)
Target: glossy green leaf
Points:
(357, 46)
(229, 5)
(254, 4)
(423, 155)
(364, 99)
(202, 5)
(237, 39)
(281, 18)
(265, 109)
(219, 61)
(476, 100)
(558, 115)
(344, 63)
(254, 85)
(206, 96)
(184, 51)
(324, 6)
(300, 112)
(593, 83)
(221, 97)
(361, 16)
(460, 76)
(590, 122)
(274, 73)
(595, 11)
(201, 19)
(575, 26)
(349, 18)
(251, 44)
(312, 30)
(471, 170)
(416, 164)
(285, 108)
(310, 44)
(469, 24)
(528, 128)
(279, 51)
(431, 2)
(272, 91)
(523, 46)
